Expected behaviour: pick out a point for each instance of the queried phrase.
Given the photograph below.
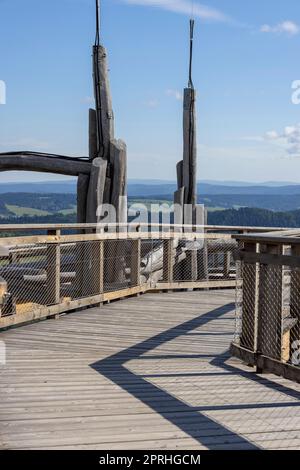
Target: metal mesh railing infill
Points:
(267, 331)
(39, 273)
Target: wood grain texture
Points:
(152, 372)
(44, 163)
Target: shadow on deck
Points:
(164, 379)
(200, 426)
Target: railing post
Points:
(294, 333)
(135, 276)
(250, 275)
(270, 306)
(227, 263)
(98, 277)
(13, 258)
(3, 293)
(53, 270)
(168, 250)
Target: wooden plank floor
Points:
(144, 373)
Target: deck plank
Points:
(152, 372)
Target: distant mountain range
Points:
(59, 187)
(150, 188)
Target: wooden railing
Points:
(6, 228)
(268, 302)
(67, 266)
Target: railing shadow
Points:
(260, 379)
(200, 427)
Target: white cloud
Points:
(252, 138)
(25, 143)
(185, 7)
(175, 94)
(271, 135)
(151, 103)
(286, 27)
(289, 139)
(87, 100)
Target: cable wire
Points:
(97, 38)
(192, 196)
(192, 25)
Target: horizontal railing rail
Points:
(133, 226)
(268, 302)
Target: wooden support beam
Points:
(96, 189)
(227, 264)
(294, 336)
(53, 272)
(135, 271)
(189, 146)
(270, 307)
(250, 273)
(97, 271)
(115, 269)
(92, 134)
(190, 269)
(118, 155)
(25, 161)
(179, 169)
(3, 292)
(82, 193)
(105, 117)
(202, 258)
(168, 261)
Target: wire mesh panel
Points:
(291, 327)
(268, 304)
(248, 330)
(81, 270)
(270, 309)
(205, 259)
(77, 270)
(117, 257)
(25, 271)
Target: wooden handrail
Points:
(54, 239)
(283, 237)
(77, 226)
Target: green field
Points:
(70, 211)
(19, 211)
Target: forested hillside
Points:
(31, 208)
(255, 218)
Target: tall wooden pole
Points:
(111, 180)
(189, 147)
(104, 112)
(187, 168)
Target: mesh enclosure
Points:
(268, 303)
(205, 259)
(37, 275)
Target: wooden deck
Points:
(144, 373)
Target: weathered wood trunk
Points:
(118, 154)
(117, 250)
(93, 144)
(82, 193)
(179, 169)
(189, 146)
(44, 163)
(105, 117)
(96, 190)
(196, 263)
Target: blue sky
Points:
(246, 59)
